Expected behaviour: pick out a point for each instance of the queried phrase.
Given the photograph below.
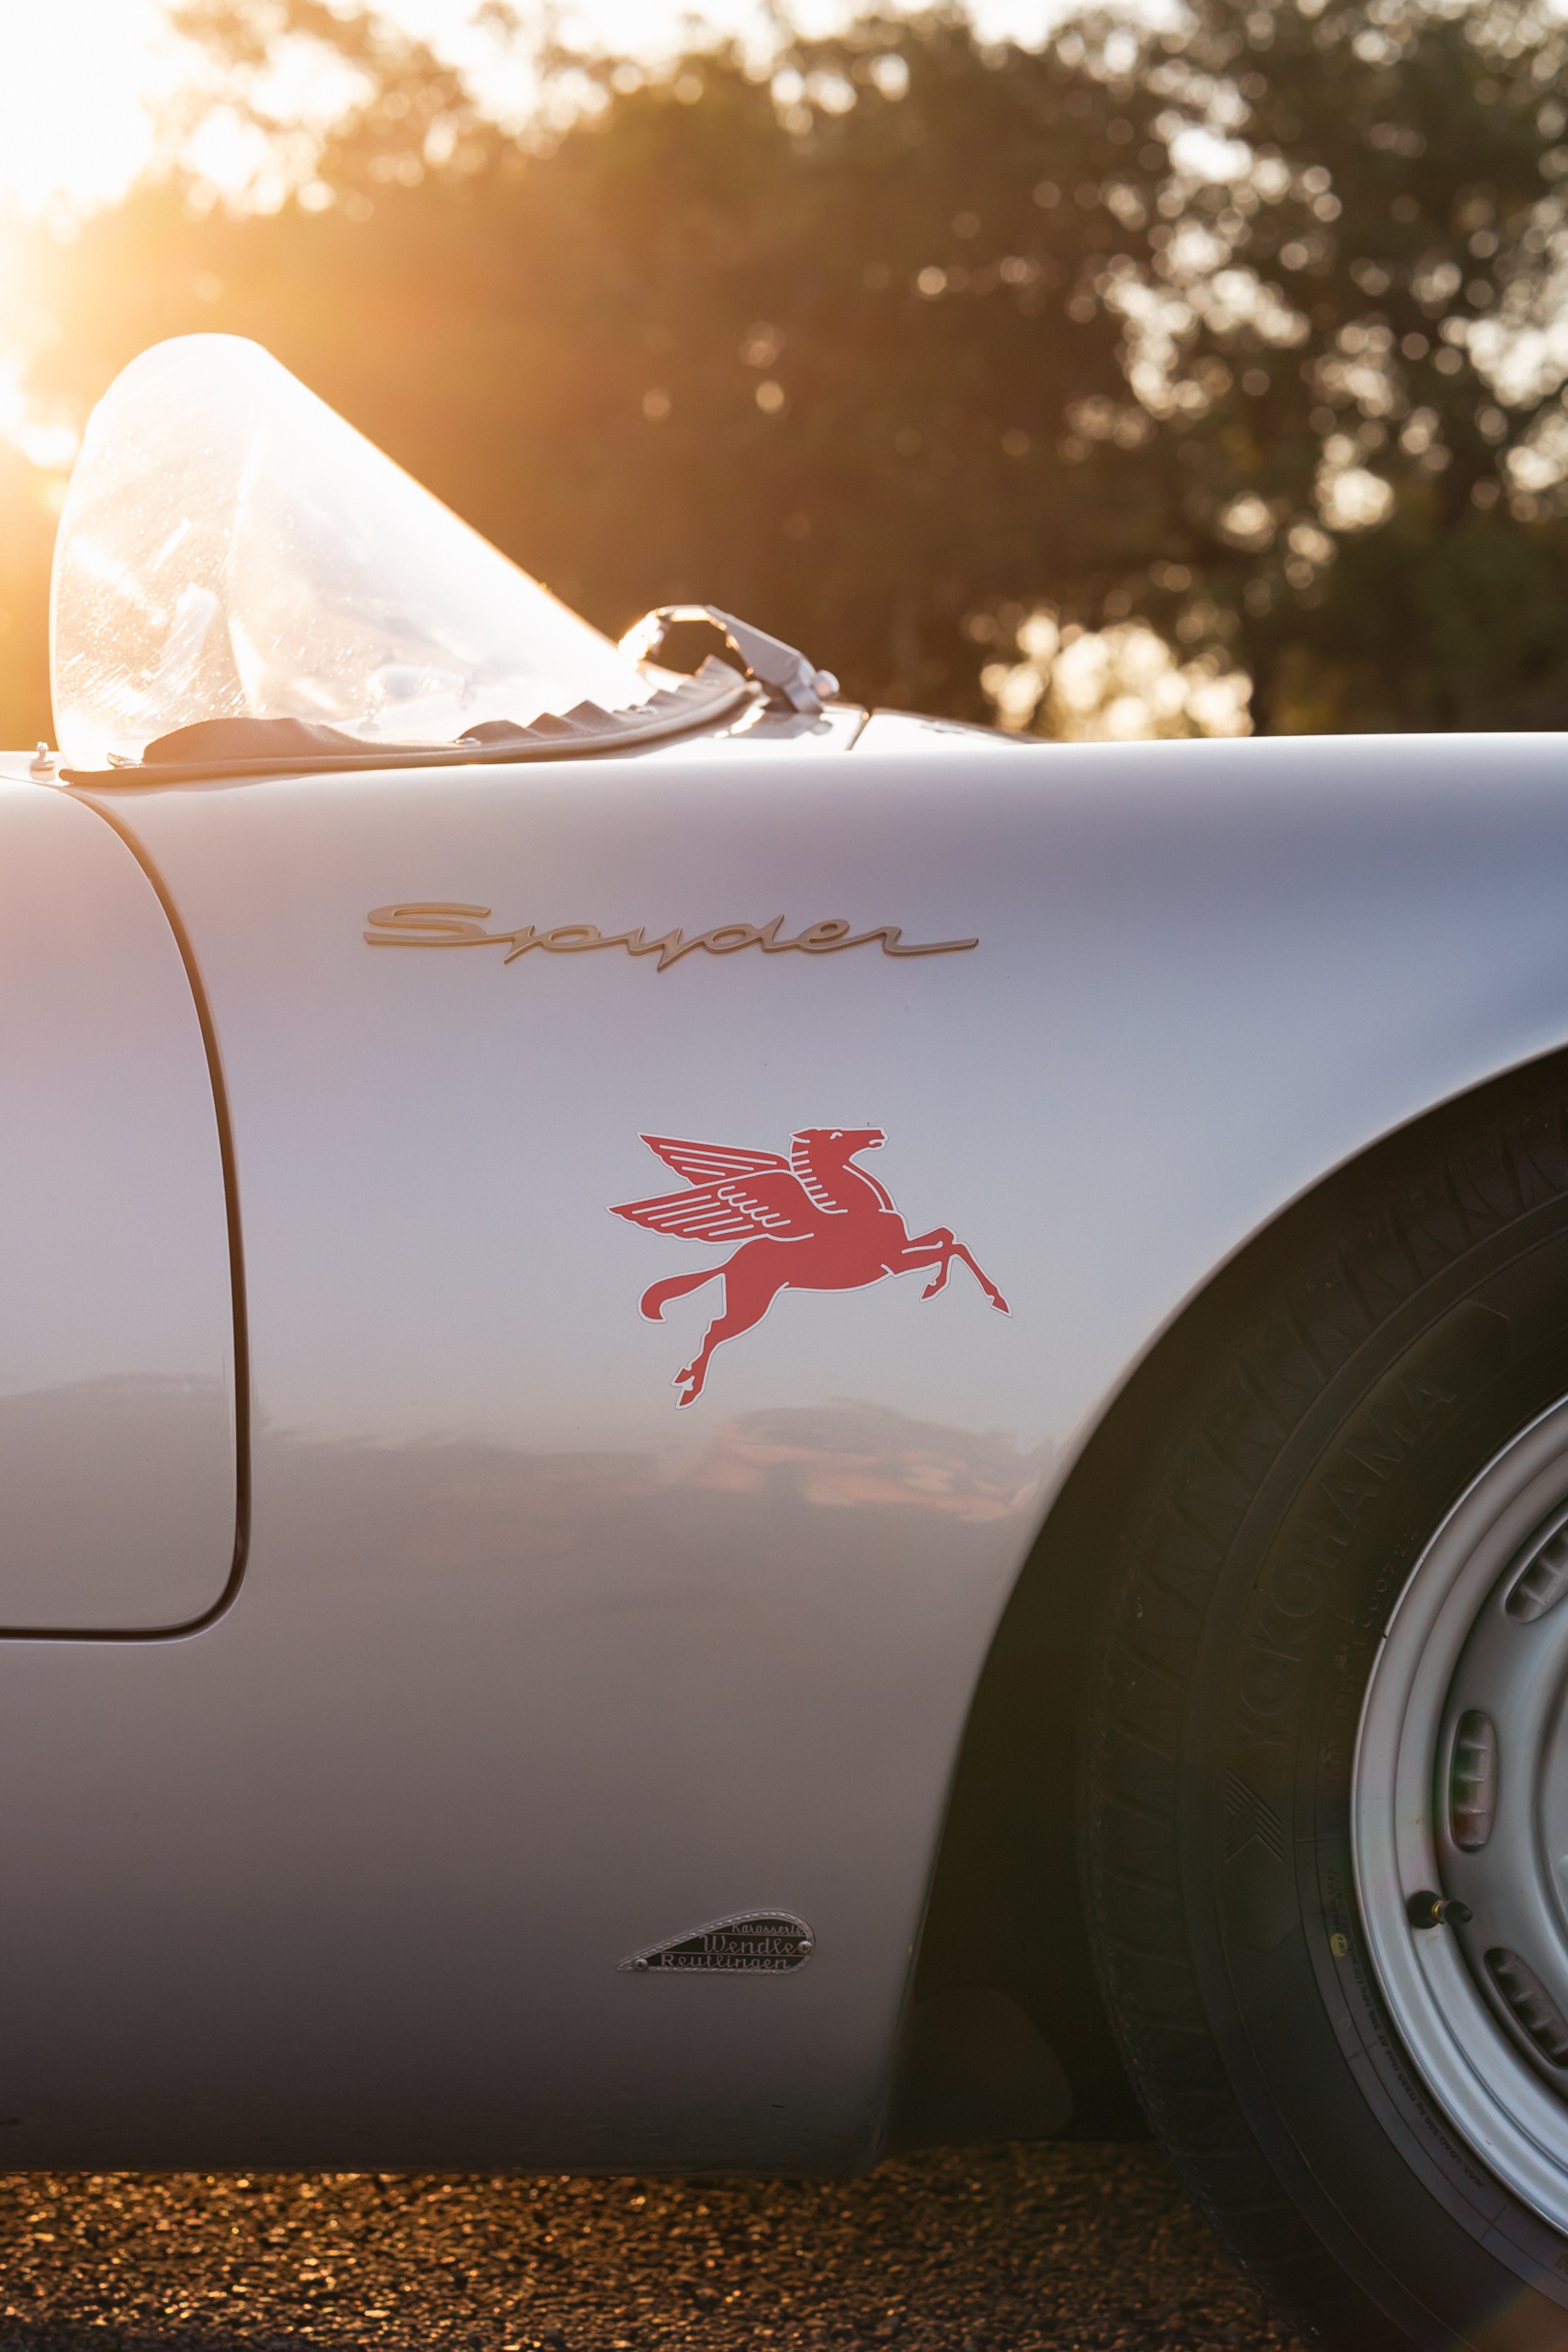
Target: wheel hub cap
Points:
(1459, 1816)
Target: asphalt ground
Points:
(1055, 2248)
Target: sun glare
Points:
(75, 79)
(82, 83)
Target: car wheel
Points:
(1326, 1791)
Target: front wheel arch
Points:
(1005, 1907)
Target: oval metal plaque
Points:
(750, 1943)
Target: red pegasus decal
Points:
(810, 1222)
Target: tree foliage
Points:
(1254, 329)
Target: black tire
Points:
(1369, 1362)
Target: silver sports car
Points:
(652, 1326)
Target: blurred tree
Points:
(1251, 331)
(801, 348)
(1355, 325)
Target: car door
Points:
(118, 1435)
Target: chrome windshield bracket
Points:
(791, 682)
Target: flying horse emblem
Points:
(810, 1221)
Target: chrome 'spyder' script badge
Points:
(438, 924)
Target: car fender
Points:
(569, 1669)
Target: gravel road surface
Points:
(1063, 2248)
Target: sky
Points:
(77, 76)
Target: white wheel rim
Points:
(1442, 1647)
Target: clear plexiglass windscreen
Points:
(229, 546)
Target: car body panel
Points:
(532, 1668)
(118, 1438)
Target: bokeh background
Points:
(1194, 367)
